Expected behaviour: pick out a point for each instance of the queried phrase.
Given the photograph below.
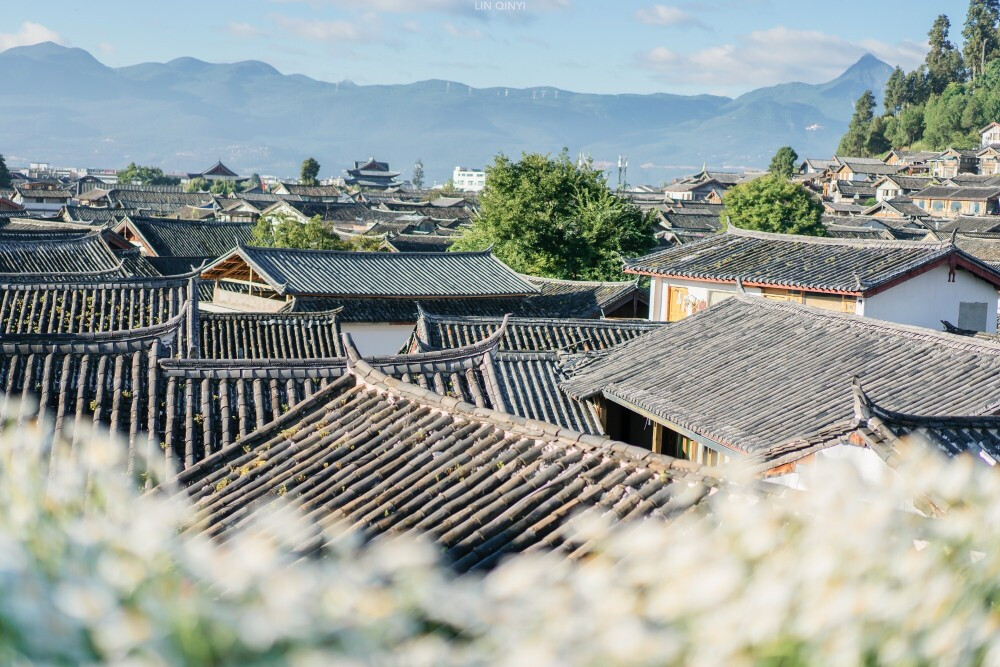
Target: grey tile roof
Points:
(958, 193)
(182, 238)
(525, 334)
(158, 202)
(894, 435)
(94, 215)
(848, 266)
(863, 190)
(554, 299)
(82, 256)
(963, 224)
(984, 246)
(390, 457)
(382, 274)
(749, 372)
(270, 336)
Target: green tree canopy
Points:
(944, 62)
(198, 184)
(895, 91)
(140, 175)
(980, 33)
(280, 230)
(773, 204)
(854, 142)
(254, 181)
(310, 170)
(548, 216)
(783, 162)
(6, 180)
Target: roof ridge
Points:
(569, 281)
(865, 407)
(535, 429)
(733, 230)
(906, 330)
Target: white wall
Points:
(929, 298)
(378, 339)
(698, 293)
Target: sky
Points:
(629, 46)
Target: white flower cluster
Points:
(93, 570)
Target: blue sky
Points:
(715, 46)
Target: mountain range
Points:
(63, 106)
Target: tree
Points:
(224, 186)
(853, 142)
(773, 204)
(6, 180)
(310, 170)
(140, 175)
(198, 184)
(906, 127)
(254, 181)
(418, 175)
(944, 62)
(783, 162)
(548, 216)
(895, 91)
(915, 88)
(980, 33)
(281, 230)
(875, 141)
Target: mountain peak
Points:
(866, 63)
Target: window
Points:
(972, 315)
(956, 206)
(937, 206)
(974, 207)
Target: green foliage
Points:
(980, 33)
(548, 216)
(224, 187)
(5, 178)
(934, 106)
(310, 170)
(448, 188)
(895, 91)
(944, 62)
(198, 184)
(418, 174)
(281, 230)
(772, 203)
(254, 181)
(140, 175)
(855, 142)
(783, 162)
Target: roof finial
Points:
(857, 281)
(739, 285)
(954, 236)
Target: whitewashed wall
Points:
(929, 298)
(378, 339)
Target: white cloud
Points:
(321, 31)
(243, 29)
(30, 33)
(667, 15)
(776, 55)
(514, 10)
(106, 48)
(467, 33)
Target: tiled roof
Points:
(180, 238)
(95, 215)
(390, 457)
(912, 183)
(965, 223)
(420, 242)
(162, 203)
(311, 190)
(270, 336)
(879, 168)
(690, 220)
(893, 435)
(984, 246)
(554, 299)
(848, 266)
(382, 274)
(85, 255)
(855, 189)
(958, 193)
(526, 334)
(749, 372)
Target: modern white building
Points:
(468, 180)
(908, 282)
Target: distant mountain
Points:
(63, 106)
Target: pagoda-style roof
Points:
(218, 170)
(387, 456)
(332, 273)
